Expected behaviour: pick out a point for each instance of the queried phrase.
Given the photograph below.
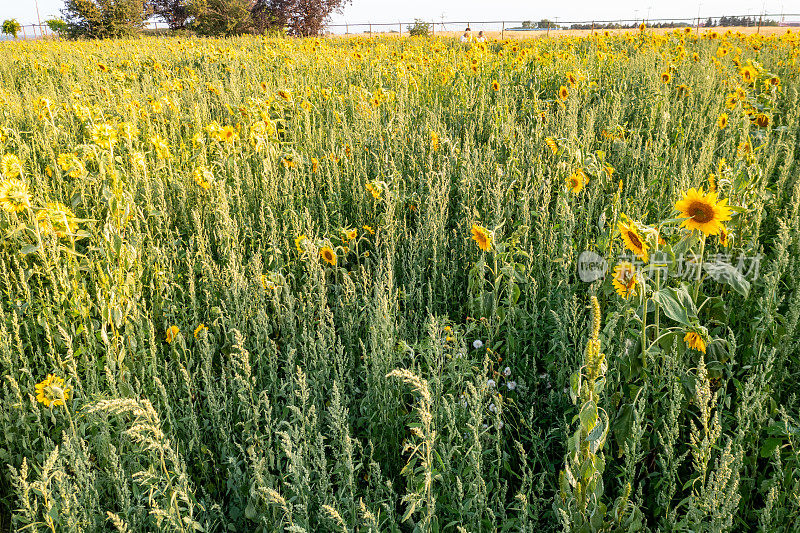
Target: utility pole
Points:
(699, 4)
(39, 18)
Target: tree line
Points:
(119, 18)
(709, 23)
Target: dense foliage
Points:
(11, 27)
(117, 18)
(263, 284)
(104, 18)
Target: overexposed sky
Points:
(377, 11)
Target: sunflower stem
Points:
(658, 306)
(644, 327)
(699, 279)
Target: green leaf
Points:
(687, 243)
(668, 299)
(728, 274)
(768, 448)
(588, 416)
(685, 299)
(622, 426)
(598, 431)
(29, 249)
(575, 387)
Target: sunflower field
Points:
(405, 285)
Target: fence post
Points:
(370, 29)
(400, 25)
(346, 28)
(759, 24)
(592, 27)
(547, 33)
(503, 30)
(433, 29)
(698, 26)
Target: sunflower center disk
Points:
(634, 239)
(701, 212)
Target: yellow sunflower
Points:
(172, 332)
(695, 341)
(227, 134)
(576, 181)
(161, 147)
(666, 77)
(14, 196)
(744, 149)
(199, 330)
(563, 92)
(52, 392)
(495, 85)
(482, 236)
(723, 236)
(10, 166)
(57, 219)
(328, 255)
(722, 121)
(374, 190)
(749, 74)
(625, 280)
(298, 243)
(551, 143)
(103, 135)
(203, 177)
(434, 140)
(634, 241)
(71, 164)
(761, 120)
(703, 211)
(350, 234)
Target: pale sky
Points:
(375, 11)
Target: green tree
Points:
(419, 28)
(174, 12)
(104, 18)
(57, 26)
(11, 27)
(221, 17)
(300, 17)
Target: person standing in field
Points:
(467, 37)
(480, 38)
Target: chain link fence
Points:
(547, 25)
(504, 27)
